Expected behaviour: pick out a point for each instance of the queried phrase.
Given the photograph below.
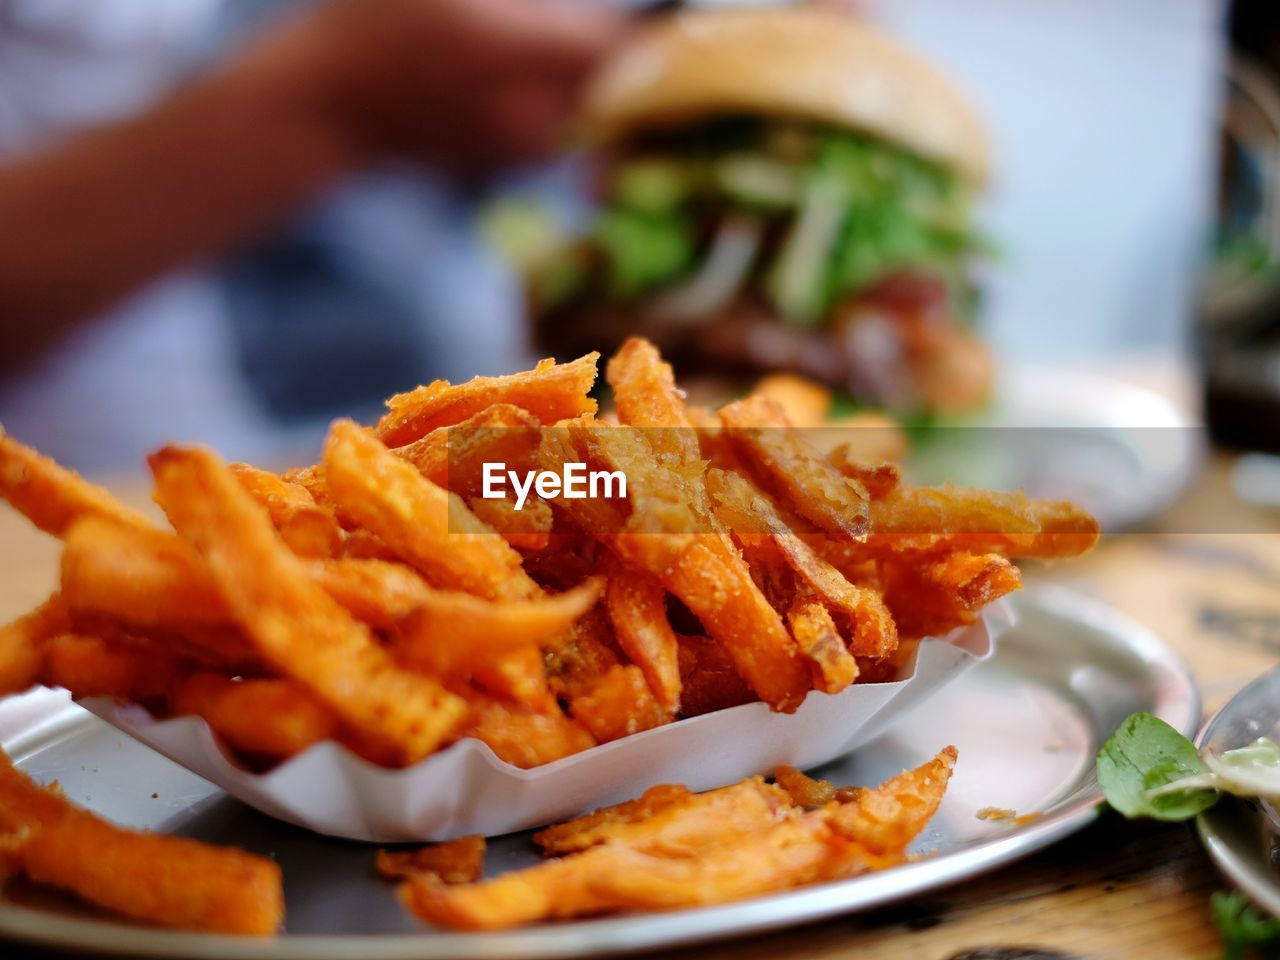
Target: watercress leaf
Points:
(1146, 753)
(1240, 925)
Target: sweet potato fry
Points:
(454, 456)
(645, 393)
(527, 529)
(637, 606)
(22, 644)
(142, 577)
(375, 591)
(600, 825)
(551, 391)
(92, 667)
(619, 705)
(364, 545)
(800, 475)
(979, 521)
(932, 595)
(309, 529)
(456, 861)
(53, 497)
(804, 791)
(886, 818)
(425, 524)
(169, 881)
(296, 625)
(451, 633)
(879, 477)
(155, 581)
(269, 718)
(672, 823)
(719, 590)
(523, 737)
(832, 665)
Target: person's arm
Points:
(458, 83)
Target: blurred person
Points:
(461, 86)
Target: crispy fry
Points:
(152, 579)
(670, 821)
(309, 529)
(53, 497)
(456, 861)
(719, 590)
(886, 818)
(879, 477)
(22, 644)
(92, 667)
(832, 665)
(550, 392)
(527, 529)
(600, 825)
(645, 393)
(619, 705)
(932, 595)
(295, 624)
(804, 791)
(451, 634)
(424, 523)
(637, 606)
(169, 881)
(809, 484)
(142, 577)
(980, 521)
(454, 456)
(363, 545)
(524, 737)
(269, 718)
(375, 591)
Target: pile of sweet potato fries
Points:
(377, 599)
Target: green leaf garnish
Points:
(1140, 761)
(1241, 926)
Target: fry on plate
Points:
(456, 861)
(687, 850)
(168, 881)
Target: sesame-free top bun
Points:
(792, 62)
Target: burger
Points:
(779, 190)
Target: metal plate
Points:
(1027, 724)
(1122, 451)
(1242, 836)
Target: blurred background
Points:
(1135, 150)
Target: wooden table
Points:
(1115, 890)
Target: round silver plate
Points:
(1027, 723)
(1242, 836)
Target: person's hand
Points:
(467, 85)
